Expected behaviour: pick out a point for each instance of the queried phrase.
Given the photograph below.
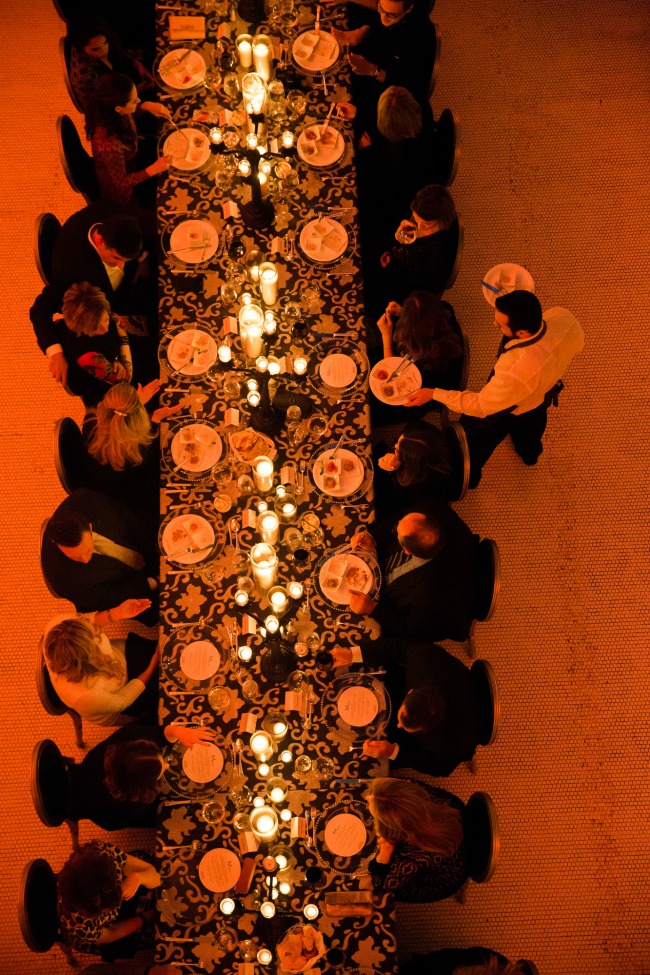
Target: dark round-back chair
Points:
(487, 690)
(455, 255)
(46, 230)
(436, 60)
(50, 787)
(446, 148)
(65, 50)
(39, 923)
(528, 967)
(69, 454)
(77, 164)
(481, 836)
(488, 585)
(459, 456)
(51, 700)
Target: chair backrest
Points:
(69, 454)
(455, 264)
(39, 923)
(487, 690)
(459, 456)
(46, 230)
(49, 783)
(436, 60)
(65, 49)
(488, 579)
(528, 967)
(481, 836)
(446, 148)
(48, 585)
(77, 164)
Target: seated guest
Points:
(95, 343)
(463, 961)
(427, 331)
(425, 263)
(428, 560)
(95, 554)
(100, 245)
(420, 856)
(114, 138)
(116, 785)
(95, 51)
(97, 902)
(418, 468)
(143, 964)
(104, 682)
(436, 711)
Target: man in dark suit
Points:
(94, 554)
(102, 246)
(428, 558)
(435, 705)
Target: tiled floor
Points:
(553, 103)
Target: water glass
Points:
(241, 796)
(296, 104)
(242, 822)
(231, 85)
(323, 769)
(212, 812)
(229, 293)
(219, 699)
(245, 484)
(318, 425)
(248, 949)
(303, 764)
(226, 939)
(250, 690)
(406, 234)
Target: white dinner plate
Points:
(315, 50)
(401, 388)
(196, 447)
(181, 70)
(313, 150)
(336, 577)
(188, 532)
(193, 241)
(344, 478)
(521, 281)
(323, 240)
(192, 352)
(189, 148)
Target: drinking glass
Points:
(250, 690)
(291, 180)
(323, 769)
(242, 822)
(281, 204)
(309, 295)
(241, 796)
(406, 234)
(226, 938)
(288, 18)
(222, 475)
(248, 949)
(296, 680)
(231, 140)
(292, 312)
(212, 812)
(318, 425)
(293, 539)
(236, 272)
(303, 764)
(245, 484)
(302, 552)
(219, 699)
(296, 104)
(231, 86)
(229, 293)
(231, 387)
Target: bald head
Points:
(420, 535)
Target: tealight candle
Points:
(262, 745)
(244, 167)
(286, 756)
(277, 790)
(262, 506)
(226, 905)
(280, 491)
(265, 167)
(274, 365)
(264, 187)
(288, 509)
(246, 299)
(245, 50)
(287, 139)
(272, 624)
(278, 597)
(253, 398)
(268, 527)
(261, 363)
(267, 909)
(264, 564)
(301, 649)
(262, 56)
(285, 815)
(249, 316)
(224, 352)
(252, 384)
(241, 597)
(295, 590)
(264, 956)
(270, 324)
(253, 89)
(311, 912)
(285, 888)
(245, 654)
(269, 282)
(251, 140)
(281, 861)
(263, 769)
(300, 365)
(263, 473)
(216, 135)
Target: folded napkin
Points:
(349, 903)
(186, 28)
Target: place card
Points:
(231, 417)
(249, 518)
(225, 117)
(248, 625)
(203, 115)
(294, 701)
(288, 474)
(219, 870)
(247, 723)
(246, 968)
(248, 842)
(186, 28)
(274, 147)
(298, 828)
(277, 243)
(225, 29)
(230, 326)
(230, 210)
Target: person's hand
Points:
(362, 66)
(145, 393)
(385, 259)
(384, 851)
(130, 608)
(164, 411)
(120, 371)
(351, 37)
(393, 308)
(58, 366)
(156, 109)
(190, 736)
(364, 141)
(385, 326)
(361, 603)
(341, 656)
(362, 540)
(378, 749)
(419, 397)
(389, 462)
(160, 165)
(130, 884)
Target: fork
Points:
(289, 245)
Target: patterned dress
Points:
(83, 932)
(115, 161)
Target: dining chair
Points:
(436, 60)
(37, 914)
(481, 836)
(65, 50)
(51, 700)
(459, 457)
(489, 706)
(528, 967)
(69, 454)
(454, 263)
(488, 586)
(446, 148)
(46, 230)
(50, 787)
(77, 164)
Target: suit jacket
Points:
(104, 582)
(412, 664)
(74, 259)
(436, 600)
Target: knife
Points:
(490, 287)
(406, 361)
(333, 454)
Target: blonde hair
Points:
(121, 428)
(83, 307)
(72, 651)
(404, 812)
(398, 115)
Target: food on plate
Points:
(330, 483)
(406, 384)
(388, 390)
(356, 577)
(222, 503)
(309, 150)
(178, 533)
(382, 375)
(182, 351)
(249, 444)
(332, 582)
(187, 435)
(311, 135)
(328, 137)
(194, 526)
(332, 466)
(300, 947)
(348, 465)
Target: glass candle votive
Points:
(241, 597)
(295, 590)
(263, 473)
(287, 139)
(262, 745)
(245, 654)
(287, 509)
(269, 283)
(227, 906)
(286, 756)
(310, 911)
(300, 364)
(263, 769)
(285, 815)
(275, 724)
(276, 789)
(262, 54)
(270, 324)
(244, 45)
(264, 822)
(268, 527)
(272, 624)
(267, 909)
(278, 597)
(264, 956)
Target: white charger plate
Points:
(315, 51)
(411, 377)
(200, 451)
(349, 482)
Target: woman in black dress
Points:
(419, 467)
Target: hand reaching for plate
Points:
(341, 656)
(419, 397)
(378, 749)
(189, 736)
(361, 603)
(362, 540)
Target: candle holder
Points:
(283, 857)
(264, 823)
(262, 745)
(263, 473)
(276, 789)
(244, 44)
(269, 282)
(264, 565)
(278, 595)
(276, 725)
(287, 509)
(268, 526)
(262, 54)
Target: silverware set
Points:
(400, 368)
(289, 245)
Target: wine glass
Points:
(318, 425)
(309, 295)
(231, 86)
(293, 539)
(226, 938)
(303, 764)
(323, 769)
(241, 796)
(250, 690)
(219, 699)
(295, 104)
(248, 949)
(229, 293)
(212, 812)
(406, 233)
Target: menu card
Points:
(200, 660)
(358, 706)
(345, 834)
(202, 763)
(219, 870)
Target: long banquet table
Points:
(319, 757)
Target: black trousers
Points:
(484, 434)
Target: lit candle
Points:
(224, 352)
(245, 50)
(279, 729)
(264, 822)
(253, 89)
(280, 491)
(285, 815)
(269, 323)
(288, 509)
(262, 56)
(246, 299)
(267, 909)
(286, 756)
(252, 384)
(264, 564)
(272, 624)
(295, 590)
(226, 905)
(253, 341)
(245, 654)
(264, 186)
(274, 365)
(241, 597)
(264, 769)
(216, 135)
(263, 473)
(262, 745)
(278, 596)
(281, 861)
(277, 795)
(244, 167)
(258, 801)
(253, 398)
(264, 956)
(287, 140)
(251, 141)
(268, 527)
(311, 912)
(277, 789)
(262, 506)
(285, 888)
(250, 316)
(265, 167)
(300, 365)
(269, 282)
(301, 649)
